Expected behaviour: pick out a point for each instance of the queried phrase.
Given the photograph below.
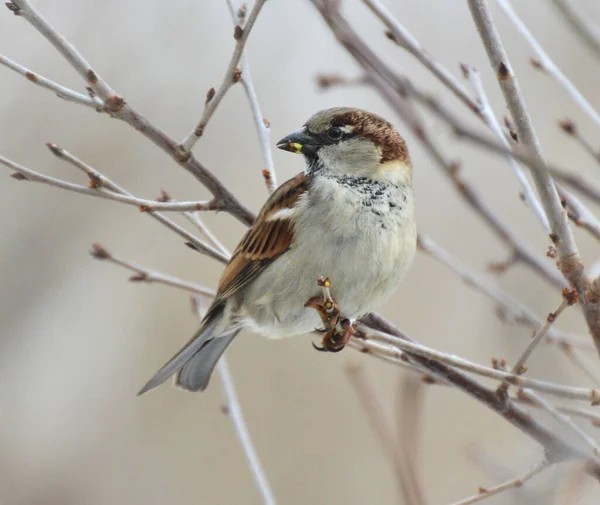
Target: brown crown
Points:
(375, 128)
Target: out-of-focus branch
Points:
(233, 409)
(511, 307)
(232, 75)
(545, 63)
(528, 195)
(372, 407)
(57, 89)
(401, 36)
(563, 419)
(262, 124)
(556, 448)
(143, 274)
(117, 107)
(570, 128)
(582, 24)
(570, 262)
(411, 413)
(511, 484)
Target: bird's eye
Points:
(335, 133)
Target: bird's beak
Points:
(299, 142)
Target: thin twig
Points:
(381, 426)
(513, 483)
(581, 23)
(410, 421)
(262, 125)
(404, 362)
(232, 75)
(556, 447)
(58, 89)
(489, 117)
(115, 193)
(234, 411)
(395, 90)
(545, 63)
(195, 219)
(570, 128)
(394, 347)
(519, 366)
(401, 36)
(511, 307)
(570, 262)
(143, 274)
(117, 107)
(98, 192)
(564, 419)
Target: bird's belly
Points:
(364, 266)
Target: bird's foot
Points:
(337, 331)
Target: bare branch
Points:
(143, 274)
(513, 483)
(511, 307)
(570, 128)
(563, 419)
(117, 107)
(489, 117)
(234, 411)
(547, 65)
(570, 262)
(556, 448)
(394, 347)
(582, 24)
(372, 407)
(396, 90)
(58, 89)
(519, 368)
(262, 124)
(401, 36)
(232, 75)
(115, 193)
(142, 204)
(193, 218)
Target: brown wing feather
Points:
(266, 239)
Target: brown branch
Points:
(570, 262)
(117, 107)
(556, 448)
(510, 484)
(143, 274)
(232, 76)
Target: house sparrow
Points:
(349, 216)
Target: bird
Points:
(350, 216)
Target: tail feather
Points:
(195, 374)
(177, 362)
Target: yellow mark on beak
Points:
(295, 147)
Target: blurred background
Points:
(78, 341)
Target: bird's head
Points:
(349, 141)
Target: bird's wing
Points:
(268, 238)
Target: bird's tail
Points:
(195, 362)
